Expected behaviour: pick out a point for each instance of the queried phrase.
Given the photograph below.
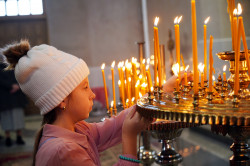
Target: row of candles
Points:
(132, 83)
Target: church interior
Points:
(107, 31)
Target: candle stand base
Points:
(240, 148)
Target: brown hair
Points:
(13, 52)
(48, 118)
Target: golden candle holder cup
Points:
(243, 76)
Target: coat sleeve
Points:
(109, 132)
(71, 154)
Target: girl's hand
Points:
(134, 123)
(171, 82)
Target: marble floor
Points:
(198, 147)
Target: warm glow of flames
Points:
(140, 95)
(113, 64)
(148, 61)
(207, 19)
(133, 99)
(103, 66)
(112, 103)
(175, 69)
(177, 20)
(213, 78)
(235, 12)
(119, 65)
(123, 68)
(225, 68)
(125, 82)
(187, 67)
(156, 21)
(239, 9)
(147, 67)
(182, 68)
(144, 85)
(152, 89)
(140, 77)
(164, 81)
(127, 100)
(143, 61)
(137, 83)
(119, 82)
(128, 65)
(201, 67)
(129, 79)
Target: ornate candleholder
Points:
(185, 91)
(240, 148)
(177, 96)
(243, 76)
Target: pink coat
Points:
(59, 146)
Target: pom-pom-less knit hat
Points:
(48, 75)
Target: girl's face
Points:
(80, 101)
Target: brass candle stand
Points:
(217, 108)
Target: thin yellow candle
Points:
(129, 90)
(205, 47)
(155, 50)
(235, 31)
(137, 90)
(113, 82)
(244, 39)
(111, 108)
(185, 76)
(210, 63)
(143, 68)
(175, 69)
(214, 80)
(177, 41)
(149, 80)
(224, 73)
(105, 86)
(237, 57)
(194, 45)
(201, 68)
(183, 63)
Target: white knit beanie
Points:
(48, 75)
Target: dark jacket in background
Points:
(9, 100)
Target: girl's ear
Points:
(63, 104)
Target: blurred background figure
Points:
(12, 103)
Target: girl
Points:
(58, 84)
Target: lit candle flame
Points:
(156, 21)
(225, 68)
(129, 79)
(213, 78)
(119, 65)
(112, 103)
(103, 66)
(143, 61)
(133, 99)
(140, 95)
(119, 82)
(177, 20)
(175, 69)
(235, 12)
(201, 67)
(148, 61)
(187, 67)
(206, 21)
(164, 81)
(147, 67)
(137, 83)
(127, 100)
(140, 77)
(152, 89)
(239, 9)
(113, 64)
